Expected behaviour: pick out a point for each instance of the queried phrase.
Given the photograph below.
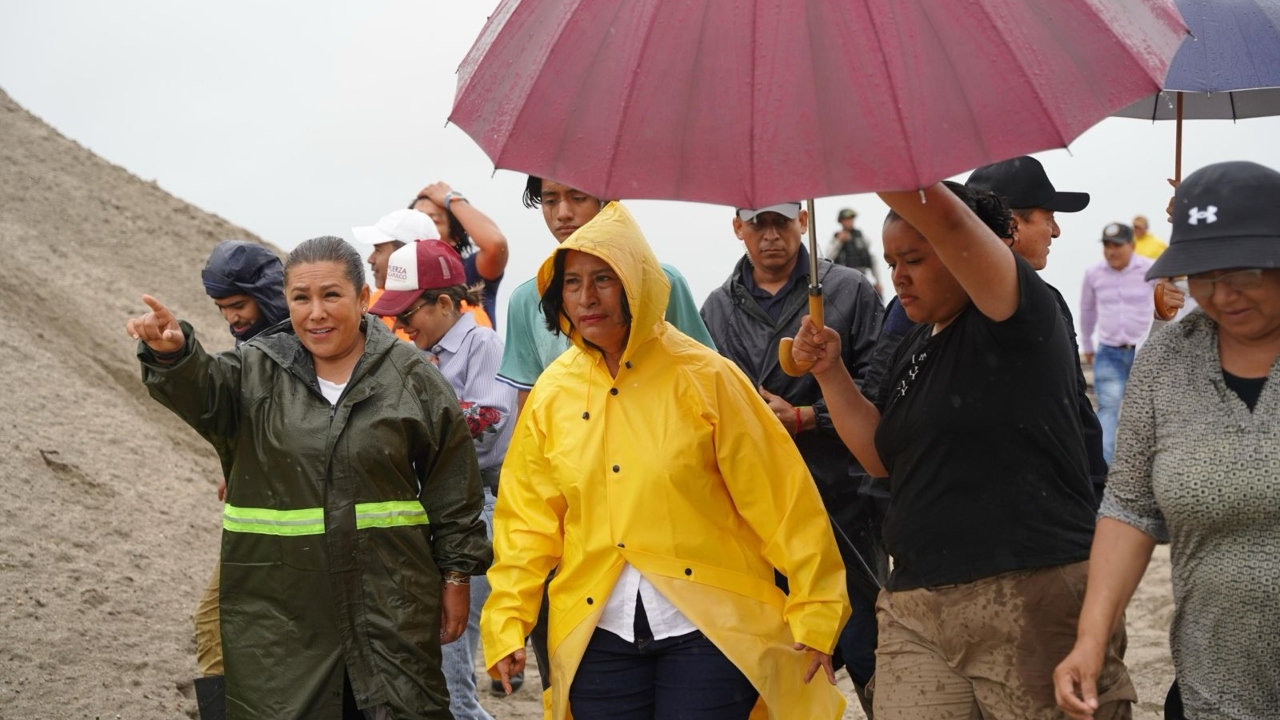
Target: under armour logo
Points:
(1208, 215)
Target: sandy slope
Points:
(109, 524)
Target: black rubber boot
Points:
(211, 697)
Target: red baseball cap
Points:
(419, 266)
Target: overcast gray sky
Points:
(298, 119)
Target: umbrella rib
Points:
(631, 87)
(751, 143)
(953, 67)
(897, 104)
(822, 118)
(1017, 60)
(524, 101)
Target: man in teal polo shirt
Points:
(530, 347)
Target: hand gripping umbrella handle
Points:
(1163, 310)
(788, 363)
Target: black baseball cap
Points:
(1023, 184)
(1225, 215)
(1117, 234)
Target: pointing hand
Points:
(158, 329)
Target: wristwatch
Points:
(450, 196)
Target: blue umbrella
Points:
(1228, 68)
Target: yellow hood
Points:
(671, 463)
(613, 236)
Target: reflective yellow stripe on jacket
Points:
(310, 521)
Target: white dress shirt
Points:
(619, 616)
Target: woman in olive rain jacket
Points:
(353, 501)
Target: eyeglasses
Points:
(403, 318)
(1236, 280)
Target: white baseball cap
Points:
(789, 210)
(402, 225)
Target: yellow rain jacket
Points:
(678, 467)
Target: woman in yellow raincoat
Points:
(649, 472)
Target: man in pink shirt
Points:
(1115, 300)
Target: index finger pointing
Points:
(163, 315)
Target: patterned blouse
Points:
(1195, 468)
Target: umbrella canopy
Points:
(1228, 68)
(1234, 46)
(750, 103)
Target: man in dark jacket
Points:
(761, 303)
(246, 282)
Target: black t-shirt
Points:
(1247, 389)
(981, 436)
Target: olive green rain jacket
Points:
(339, 520)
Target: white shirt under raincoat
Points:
(678, 467)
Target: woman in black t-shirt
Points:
(990, 515)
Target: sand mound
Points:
(109, 523)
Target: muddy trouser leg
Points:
(987, 649)
(538, 638)
(208, 629)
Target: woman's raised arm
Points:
(979, 260)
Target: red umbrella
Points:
(749, 103)
(753, 102)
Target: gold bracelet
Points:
(453, 577)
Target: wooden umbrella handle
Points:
(1163, 310)
(789, 364)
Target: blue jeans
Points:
(459, 656)
(1111, 367)
(857, 641)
